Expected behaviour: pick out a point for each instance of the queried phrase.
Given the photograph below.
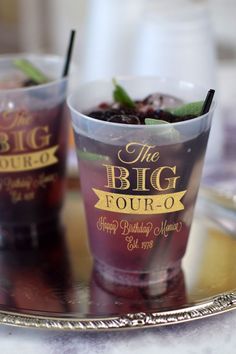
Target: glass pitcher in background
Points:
(110, 34)
(175, 39)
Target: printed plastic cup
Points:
(139, 183)
(33, 148)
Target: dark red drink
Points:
(139, 182)
(33, 147)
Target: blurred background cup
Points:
(175, 39)
(33, 148)
(136, 178)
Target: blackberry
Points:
(137, 115)
(125, 119)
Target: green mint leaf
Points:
(166, 129)
(189, 109)
(31, 71)
(151, 121)
(91, 156)
(121, 96)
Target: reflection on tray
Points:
(36, 279)
(117, 299)
(40, 279)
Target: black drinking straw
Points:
(69, 54)
(207, 103)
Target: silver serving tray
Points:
(51, 284)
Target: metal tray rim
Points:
(216, 305)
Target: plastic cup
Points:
(33, 149)
(139, 183)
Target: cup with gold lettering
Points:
(33, 143)
(141, 143)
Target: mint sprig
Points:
(91, 156)
(189, 109)
(121, 96)
(166, 131)
(152, 121)
(31, 71)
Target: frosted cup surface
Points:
(139, 182)
(33, 146)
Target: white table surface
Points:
(207, 336)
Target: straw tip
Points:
(69, 53)
(208, 101)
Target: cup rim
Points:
(141, 126)
(36, 87)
